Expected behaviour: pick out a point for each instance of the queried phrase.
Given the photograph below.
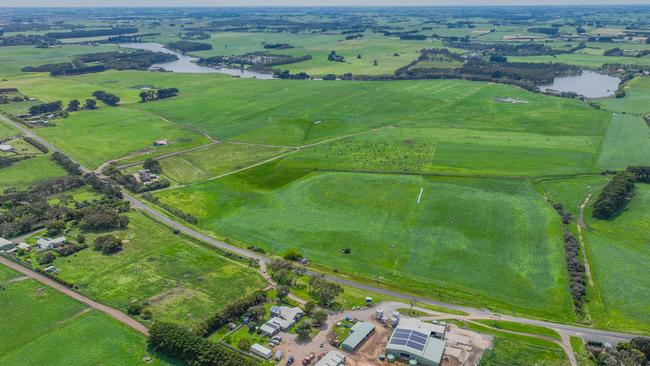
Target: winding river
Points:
(185, 63)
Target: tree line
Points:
(178, 342)
(150, 95)
(615, 196)
(82, 33)
(231, 312)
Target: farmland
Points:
(41, 325)
(409, 151)
(183, 281)
(316, 214)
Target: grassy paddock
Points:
(184, 282)
(417, 247)
(42, 326)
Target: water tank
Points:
(395, 314)
(379, 313)
(394, 321)
(413, 362)
(390, 357)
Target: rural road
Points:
(113, 313)
(567, 329)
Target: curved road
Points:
(566, 329)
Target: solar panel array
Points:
(409, 338)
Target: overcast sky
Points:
(183, 3)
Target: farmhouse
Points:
(162, 142)
(270, 329)
(415, 340)
(46, 243)
(358, 334)
(6, 148)
(332, 358)
(261, 351)
(284, 317)
(6, 244)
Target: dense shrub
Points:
(80, 33)
(107, 98)
(615, 196)
(175, 341)
(99, 217)
(187, 46)
(108, 244)
(641, 173)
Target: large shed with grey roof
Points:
(414, 340)
(359, 333)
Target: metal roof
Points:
(360, 331)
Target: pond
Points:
(590, 84)
(185, 63)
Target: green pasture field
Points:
(571, 192)
(515, 349)
(301, 112)
(627, 142)
(6, 130)
(371, 47)
(26, 173)
(618, 251)
(295, 113)
(636, 100)
(508, 350)
(454, 151)
(425, 248)
(584, 59)
(184, 281)
(215, 159)
(42, 326)
(94, 137)
(521, 328)
(14, 58)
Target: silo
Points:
(379, 313)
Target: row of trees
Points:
(66, 163)
(615, 196)
(80, 33)
(178, 342)
(576, 270)
(51, 107)
(231, 312)
(42, 148)
(171, 209)
(107, 98)
(149, 95)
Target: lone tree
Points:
(73, 106)
(152, 165)
(90, 104)
(108, 244)
(304, 330)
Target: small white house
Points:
(261, 351)
(47, 243)
(6, 148)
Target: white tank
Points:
(395, 314)
(379, 313)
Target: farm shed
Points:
(359, 333)
(261, 351)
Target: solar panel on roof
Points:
(398, 341)
(419, 334)
(402, 331)
(418, 339)
(417, 346)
